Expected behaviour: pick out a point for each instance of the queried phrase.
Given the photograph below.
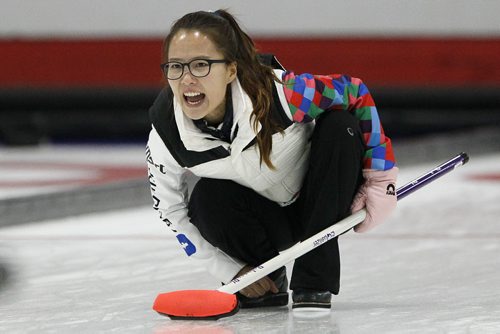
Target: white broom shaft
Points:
(294, 252)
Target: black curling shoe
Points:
(269, 299)
(311, 299)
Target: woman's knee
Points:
(204, 209)
(210, 193)
(213, 201)
(220, 211)
(337, 124)
(205, 197)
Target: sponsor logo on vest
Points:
(150, 161)
(188, 246)
(391, 190)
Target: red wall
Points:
(408, 62)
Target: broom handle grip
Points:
(337, 229)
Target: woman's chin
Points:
(194, 113)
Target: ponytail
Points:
(257, 81)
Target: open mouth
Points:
(194, 98)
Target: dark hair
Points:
(256, 78)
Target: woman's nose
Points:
(187, 77)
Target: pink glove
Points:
(378, 195)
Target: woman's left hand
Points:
(258, 288)
(378, 195)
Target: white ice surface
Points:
(434, 267)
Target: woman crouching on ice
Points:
(280, 157)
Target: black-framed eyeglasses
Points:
(199, 68)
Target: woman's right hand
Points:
(258, 288)
(378, 195)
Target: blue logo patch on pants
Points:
(188, 246)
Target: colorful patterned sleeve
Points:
(308, 96)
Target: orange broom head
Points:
(196, 304)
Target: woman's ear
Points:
(232, 70)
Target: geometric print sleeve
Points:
(308, 96)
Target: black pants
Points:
(254, 229)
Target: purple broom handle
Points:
(437, 172)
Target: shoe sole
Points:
(311, 306)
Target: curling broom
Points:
(215, 304)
